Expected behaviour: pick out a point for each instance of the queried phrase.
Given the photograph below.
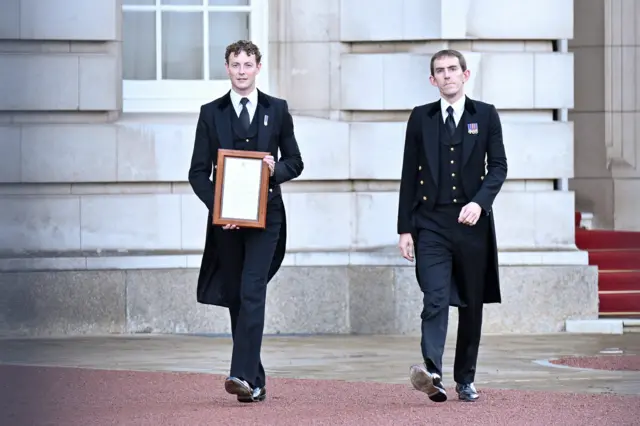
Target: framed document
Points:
(242, 188)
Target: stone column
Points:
(622, 107)
(606, 113)
(592, 180)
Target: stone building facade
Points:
(606, 48)
(100, 231)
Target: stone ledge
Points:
(594, 326)
(301, 300)
(603, 326)
(113, 260)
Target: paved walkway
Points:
(517, 363)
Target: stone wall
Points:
(377, 299)
(76, 180)
(85, 187)
(60, 92)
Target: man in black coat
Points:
(454, 166)
(238, 263)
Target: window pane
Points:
(224, 29)
(139, 2)
(139, 45)
(182, 46)
(182, 2)
(228, 2)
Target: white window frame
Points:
(186, 96)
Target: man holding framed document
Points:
(241, 133)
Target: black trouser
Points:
(257, 248)
(447, 249)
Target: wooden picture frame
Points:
(242, 189)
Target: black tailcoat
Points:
(219, 273)
(484, 170)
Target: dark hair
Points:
(245, 46)
(449, 53)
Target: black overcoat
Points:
(484, 170)
(219, 275)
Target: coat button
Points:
(247, 140)
(481, 177)
(421, 182)
(270, 189)
(419, 167)
(424, 198)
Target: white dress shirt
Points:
(251, 105)
(458, 109)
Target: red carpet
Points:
(615, 260)
(617, 255)
(599, 239)
(624, 280)
(74, 397)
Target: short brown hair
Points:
(245, 46)
(449, 53)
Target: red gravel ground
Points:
(75, 397)
(607, 362)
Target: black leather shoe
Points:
(428, 382)
(236, 386)
(467, 393)
(258, 394)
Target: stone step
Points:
(603, 326)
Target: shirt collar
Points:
(458, 106)
(235, 98)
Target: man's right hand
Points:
(406, 246)
(231, 227)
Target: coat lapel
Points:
(431, 139)
(222, 119)
(470, 130)
(264, 115)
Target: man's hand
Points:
(406, 246)
(230, 227)
(470, 214)
(270, 162)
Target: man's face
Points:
(242, 70)
(448, 76)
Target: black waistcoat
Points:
(246, 140)
(450, 180)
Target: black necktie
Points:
(244, 114)
(450, 122)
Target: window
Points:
(173, 50)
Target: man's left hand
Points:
(470, 214)
(270, 162)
